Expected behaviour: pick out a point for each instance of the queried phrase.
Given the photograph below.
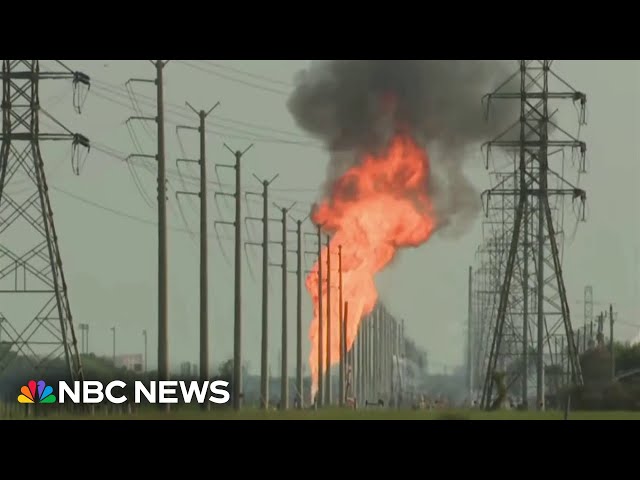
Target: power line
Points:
(127, 94)
(248, 74)
(121, 213)
(106, 91)
(106, 94)
(182, 111)
(232, 79)
(117, 155)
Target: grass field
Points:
(343, 414)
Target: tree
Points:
(501, 390)
(415, 354)
(598, 391)
(225, 371)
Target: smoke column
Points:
(383, 192)
(341, 102)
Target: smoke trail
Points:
(346, 103)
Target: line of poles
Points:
(586, 340)
(375, 370)
(367, 369)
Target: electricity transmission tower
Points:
(204, 255)
(159, 157)
(36, 324)
(532, 289)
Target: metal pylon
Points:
(37, 324)
(532, 309)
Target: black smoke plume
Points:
(355, 107)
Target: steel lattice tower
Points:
(532, 308)
(37, 323)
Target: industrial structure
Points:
(520, 328)
(37, 323)
(160, 157)
(375, 369)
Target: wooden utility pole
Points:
(264, 353)
(298, 273)
(237, 283)
(163, 320)
(284, 375)
(204, 239)
(611, 344)
(343, 351)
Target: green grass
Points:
(344, 414)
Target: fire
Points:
(375, 208)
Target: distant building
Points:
(133, 362)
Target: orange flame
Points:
(374, 209)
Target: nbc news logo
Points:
(93, 392)
(44, 393)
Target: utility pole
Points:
(204, 255)
(328, 399)
(375, 357)
(343, 338)
(284, 376)
(366, 330)
(348, 366)
(394, 364)
(113, 330)
(264, 353)
(600, 334)
(359, 361)
(320, 332)
(144, 334)
(364, 327)
(403, 354)
(298, 272)
(317, 400)
(163, 319)
(470, 336)
(588, 312)
(380, 352)
(299, 386)
(237, 286)
(163, 294)
(84, 337)
(372, 354)
(611, 345)
(387, 355)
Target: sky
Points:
(108, 239)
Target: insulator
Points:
(79, 95)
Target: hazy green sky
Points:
(111, 261)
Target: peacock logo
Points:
(28, 393)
